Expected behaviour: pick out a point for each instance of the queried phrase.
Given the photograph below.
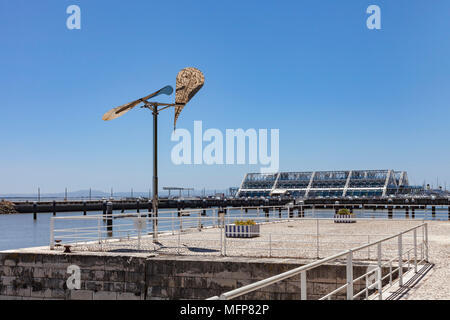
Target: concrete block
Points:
(7, 281)
(127, 296)
(18, 291)
(93, 285)
(6, 271)
(320, 288)
(46, 293)
(104, 295)
(4, 297)
(10, 263)
(59, 294)
(81, 295)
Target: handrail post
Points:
(400, 260)
(173, 219)
(380, 284)
(221, 240)
(224, 234)
(379, 273)
(349, 275)
(303, 285)
(426, 241)
(318, 241)
(99, 232)
(52, 234)
(415, 250)
(270, 245)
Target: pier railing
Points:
(204, 232)
(403, 266)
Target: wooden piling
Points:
(34, 211)
(109, 218)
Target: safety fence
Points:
(373, 284)
(212, 232)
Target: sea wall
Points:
(107, 276)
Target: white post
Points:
(173, 219)
(415, 250)
(221, 233)
(350, 275)
(400, 260)
(303, 285)
(179, 237)
(426, 242)
(318, 241)
(99, 231)
(380, 285)
(52, 234)
(224, 239)
(270, 245)
(379, 273)
(390, 273)
(139, 239)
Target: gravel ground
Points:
(436, 283)
(298, 240)
(294, 239)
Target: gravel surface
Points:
(293, 239)
(436, 283)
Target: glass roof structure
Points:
(371, 183)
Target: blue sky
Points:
(342, 96)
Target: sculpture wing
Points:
(189, 82)
(121, 110)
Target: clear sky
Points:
(342, 96)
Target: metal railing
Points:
(202, 231)
(410, 264)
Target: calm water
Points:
(21, 231)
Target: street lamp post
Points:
(189, 81)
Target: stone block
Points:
(127, 296)
(105, 295)
(81, 295)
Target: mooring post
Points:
(407, 212)
(137, 205)
(433, 212)
(413, 212)
(84, 208)
(150, 207)
(109, 219)
(104, 210)
(390, 209)
(54, 208)
(34, 210)
(279, 212)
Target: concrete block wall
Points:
(111, 277)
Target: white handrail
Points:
(280, 277)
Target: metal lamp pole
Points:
(153, 106)
(155, 174)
